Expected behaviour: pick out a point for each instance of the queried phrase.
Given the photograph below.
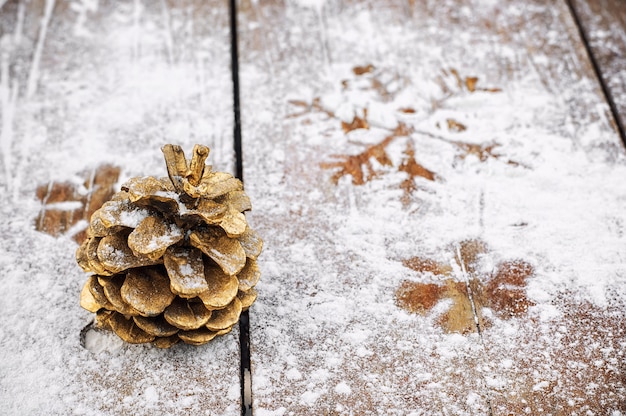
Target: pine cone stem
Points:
(200, 153)
(176, 164)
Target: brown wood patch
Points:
(502, 291)
(65, 204)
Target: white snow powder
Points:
(343, 388)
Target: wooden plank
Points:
(567, 357)
(85, 83)
(421, 171)
(604, 25)
(326, 336)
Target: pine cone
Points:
(172, 258)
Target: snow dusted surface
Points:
(89, 82)
(106, 82)
(326, 334)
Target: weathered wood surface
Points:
(454, 159)
(439, 186)
(83, 83)
(604, 23)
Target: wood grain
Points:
(66, 207)
(82, 84)
(604, 24)
(381, 139)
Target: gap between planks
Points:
(244, 320)
(608, 96)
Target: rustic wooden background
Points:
(406, 161)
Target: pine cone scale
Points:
(113, 292)
(115, 255)
(87, 300)
(147, 291)
(185, 269)
(153, 236)
(225, 318)
(226, 252)
(158, 326)
(251, 243)
(187, 315)
(222, 288)
(128, 330)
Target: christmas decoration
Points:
(172, 258)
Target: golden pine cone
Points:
(172, 258)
